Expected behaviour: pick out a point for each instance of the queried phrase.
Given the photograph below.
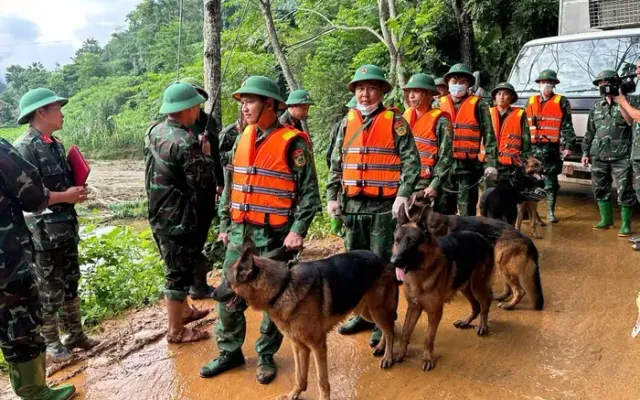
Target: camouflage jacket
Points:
(608, 136)
(226, 139)
(405, 146)
(287, 119)
(567, 133)
(308, 198)
(178, 179)
(444, 133)
(209, 127)
(20, 189)
(635, 148)
(56, 229)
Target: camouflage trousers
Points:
(602, 175)
(440, 203)
(20, 320)
(466, 200)
(182, 255)
(203, 266)
(231, 329)
(549, 156)
(370, 232)
(635, 165)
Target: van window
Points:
(577, 63)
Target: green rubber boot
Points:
(267, 370)
(28, 381)
(625, 226)
(223, 363)
(355, 325)
(551, 208)
(376, 335)
(606, 216)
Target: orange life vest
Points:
(509, 135)
(370, 161)
(263, 189)
(424, 133)
(548, 119)
(466, 129)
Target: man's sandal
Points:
(195, 315)
(188, 335)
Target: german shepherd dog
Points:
(516, 256)
(511, 198)
(434, 271)
(308, 300)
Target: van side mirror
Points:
(476, 75)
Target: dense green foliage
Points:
(115, 89)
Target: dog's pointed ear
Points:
(402, 217)
(423, 218)
(246, 268)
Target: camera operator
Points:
(630, 109)
(607, 146)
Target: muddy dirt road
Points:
(579, 347)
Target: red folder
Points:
(79, 166)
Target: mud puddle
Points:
(579, 347)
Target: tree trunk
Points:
(465, 29)
(212, 57)
(265, 8)
(394, 40)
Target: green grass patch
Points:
(11, 133)
(134, 209)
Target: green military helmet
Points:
(352, 103)
(260, 86)
(421, 81)
(196, 84)
(180, 96)
(548, 75)
(505, 86)
(369, 72)
(460, 69)
(605, 75)
(299, 96)
(440, 82)
(35, 99)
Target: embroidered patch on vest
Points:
(400, 128)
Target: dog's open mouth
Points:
(234, 303)
(537, 176)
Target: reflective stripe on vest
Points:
(466, 129)
(545, 127)
(263, 188)
(371, 165)
(509, 135)
(424, 133)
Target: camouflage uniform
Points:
(635, 148)
(231, 327)
(505, 171)
(608, 144)
(181, 189)
(226, 139)
(287, 119)
(55, 238)
(20, 319)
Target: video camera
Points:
(613, 86)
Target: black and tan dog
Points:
(308, 300)
(512, 197)
(516, 256)
(434, 271)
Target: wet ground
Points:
(579, 347)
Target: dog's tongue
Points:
(400, 274)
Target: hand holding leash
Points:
(397, 205)
(333, 208)
(491, 173)
(430, 193)
(293, 241)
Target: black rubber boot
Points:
(355, 325)
(224, 362)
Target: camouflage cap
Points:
(299, 96)
(605, 75)
(440, 82)
(196, 84)
(352, 103)
(460, 70)
(35, 99)
(421, 81)
(180, 96)
(548, 75)
(260, 86)
(505, 86)
(369, 72)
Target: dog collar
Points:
(283, 287)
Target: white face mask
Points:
(458, 90)
(546, 89)
(366, 110)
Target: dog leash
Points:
(282, 252)
(444, 189)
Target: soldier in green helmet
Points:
(472, 129)
(375, 167)
(55, 234)
(23, 348)
(443, 88)
(433, 134)
(271, 201)
(298, 104)
(227, 138)
(552, 134)
(607, 147)
(206, 129)
(180, 186)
